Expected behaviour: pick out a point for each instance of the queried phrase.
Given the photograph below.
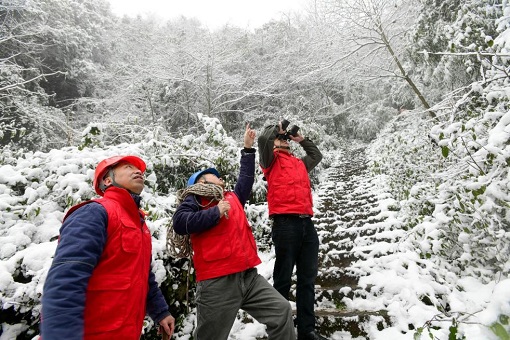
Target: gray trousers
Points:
(219, 299)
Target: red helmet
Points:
(103, 167)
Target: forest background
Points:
(423, 83)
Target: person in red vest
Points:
(289, 198)
(225, 254)
(100, 285)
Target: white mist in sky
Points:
(212, 14)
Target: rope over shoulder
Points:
(179, 246)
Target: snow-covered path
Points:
(348, 219)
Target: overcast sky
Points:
(212, 13)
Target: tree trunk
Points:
(404, 73)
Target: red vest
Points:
(288, 185)
(226, 248)
(117, 291)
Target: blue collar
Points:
(137, 199)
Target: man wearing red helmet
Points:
(100, 285)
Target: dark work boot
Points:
(311, 336)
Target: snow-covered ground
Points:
(410, 276)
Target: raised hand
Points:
(249, 137)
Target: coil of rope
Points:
(179, 246)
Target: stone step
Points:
(330, 321)
(352, 322)
(332, 316)
(338, 318)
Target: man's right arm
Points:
(81, 243)
(265, 145)
(189, 218)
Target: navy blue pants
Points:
(296, 244)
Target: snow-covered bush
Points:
(36, 188)
(451, 177)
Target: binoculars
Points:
(292, 132)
